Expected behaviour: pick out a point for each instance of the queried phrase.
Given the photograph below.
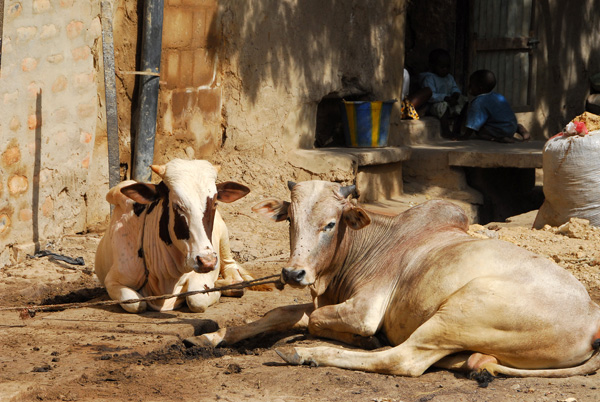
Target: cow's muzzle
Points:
(206, 263)
(293, 277)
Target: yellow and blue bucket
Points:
(367, 124)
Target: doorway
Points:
(502, 38)
(479, 34)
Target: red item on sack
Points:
(580, 127)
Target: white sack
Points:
(571, 166)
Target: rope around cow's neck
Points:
(240, 285)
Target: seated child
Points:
(489, 116)
(446, 101)
(412, 102)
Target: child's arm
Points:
(455, 90)
(428, 81)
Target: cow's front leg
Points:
(279, 319)
(353, 322)
(426, 346)
(120, 292)
(231, 275)
(229, 269)
(199, 302)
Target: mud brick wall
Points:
(48, 121)
(190, 92)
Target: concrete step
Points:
(377, 172)
(426, 130)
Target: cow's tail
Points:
(590, 366)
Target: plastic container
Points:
(366, 124)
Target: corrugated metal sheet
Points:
(501, 29)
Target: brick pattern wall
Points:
(48, 118)
(190, 93)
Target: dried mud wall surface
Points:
(241, 81)
(278, 59)
(48, 122)
(189, 104)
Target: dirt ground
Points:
(101, 353)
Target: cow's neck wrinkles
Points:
(162, 261)
(349, 265)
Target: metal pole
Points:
(112, 127)
(145, 127)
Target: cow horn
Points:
(291, 185)
(159, 169)
(347, 190)
(217, 168)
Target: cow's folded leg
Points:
(119, 292)
(357, 328)
(279, 319)
(229, 268)
(403, 359)
(230, 292)
(199, 302)
(411, 358)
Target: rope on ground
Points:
(240, 285)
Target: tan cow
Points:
(169, 238)
(440, 296)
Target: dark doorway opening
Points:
(506, 192)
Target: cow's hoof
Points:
(290, 356)
(233, 293)
(202, 341)
(293, 357)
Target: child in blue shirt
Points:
(489, 115)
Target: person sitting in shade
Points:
(413, 103)
(446, 100)
(489, 115)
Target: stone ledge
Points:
(355, 156)
(426, 130)
(487, 154)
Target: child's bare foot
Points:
(523, 132)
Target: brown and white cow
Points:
(440, 296)
(169, 238)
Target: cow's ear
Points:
(143, 193)
(356, 218)
(272, 209)
(230, 191)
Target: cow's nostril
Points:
(206, 263)
(293, 275)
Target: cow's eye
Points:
(329, 226)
